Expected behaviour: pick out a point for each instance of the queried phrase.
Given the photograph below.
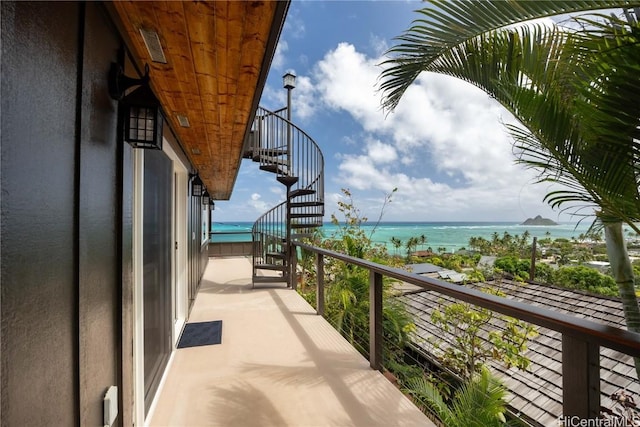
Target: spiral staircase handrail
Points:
(293, 125)
(281, 147)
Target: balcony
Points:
(278, 364)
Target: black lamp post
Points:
(289, 82)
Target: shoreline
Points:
(452, 235)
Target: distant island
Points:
(538, 220)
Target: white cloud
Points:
(441, 121)
(304, 99)
(294, 26)
(380, 152)
(279, 56)
(279, 191)
(346, 80)
(259, 205)
(378, 44)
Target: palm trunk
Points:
(623, 274)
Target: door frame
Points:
(179, 271)
(179, 300)
(138, 303)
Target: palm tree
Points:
(411, 245)
(575, 93)
(423, 240)
(397, 244)
(480, 402)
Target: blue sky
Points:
(445, 147)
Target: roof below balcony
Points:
(535, 393)
(218, 55)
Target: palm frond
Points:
(429, 395)
(481, 401)
(445, 25)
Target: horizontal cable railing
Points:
(581, 339)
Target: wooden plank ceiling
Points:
(217, 53)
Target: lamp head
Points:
(289, 80)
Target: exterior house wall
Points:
(98, 220)
(198, 254)
(40, 357)
(67, 220)
(60, 215)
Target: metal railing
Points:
(269, 234)
(581, 338)
(287, 151)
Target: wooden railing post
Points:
(375, 320)
(320, 284)
(293, 266)
(532, 268)
(580, 378)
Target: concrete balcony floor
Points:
(279, 364)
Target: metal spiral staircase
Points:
(280, 147)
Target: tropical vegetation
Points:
(480, 402)
(470, 345)
(347, 287)
(574, 90)
(347, 309)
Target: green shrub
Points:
(585, 279)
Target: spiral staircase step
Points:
(307, 225)
(274, 169)
(306, 204)
(269, 279)
(271, 160)
(300, 192)
(307, 215)
(275, 267)
(278, 255)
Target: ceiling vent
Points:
(183, 120)
(154, 47)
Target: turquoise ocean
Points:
(450, 235)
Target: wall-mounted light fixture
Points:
(196, 187)
(142, 114)
(212, 205)
(205, 198)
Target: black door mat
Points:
(201, 333)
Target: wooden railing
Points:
(581, 338)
